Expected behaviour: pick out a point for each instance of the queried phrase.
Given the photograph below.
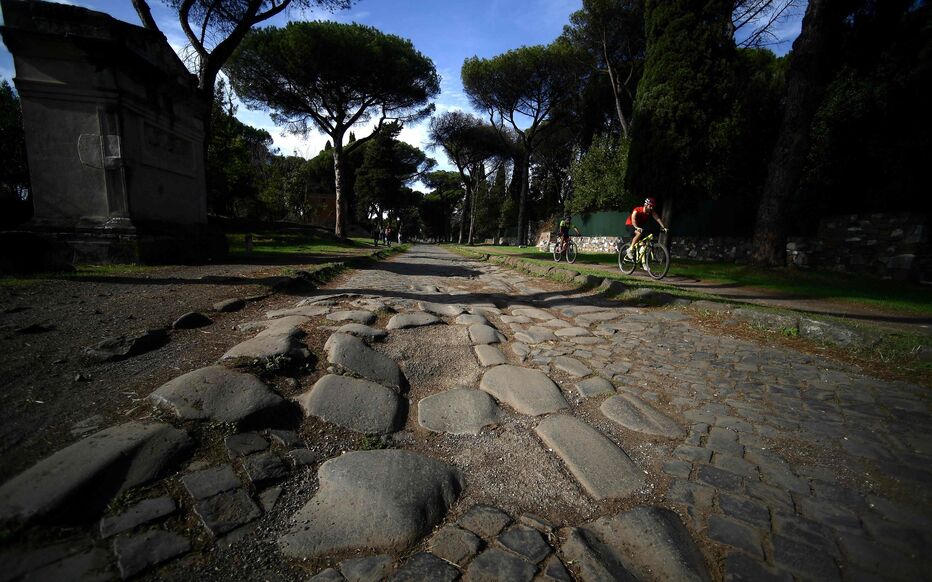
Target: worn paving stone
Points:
(229, 305)
(489, 355)
(596, 386)
(224, 512)
(363, 331)
(303, 311)
(458, 411)
(745, 509)
(327, 575)
(122, 347)
(107, 463)
(368, 569)
(209, 482)
(533, 313)
(485, 334)
(244, 443)
(528, 391)
(455, 545)
(735, 534)
(634, 414)
(407, 320)
(571, 366)
(535, 335)
(286, 438)
(719, 479)
(265, 467)
(741, 568)
(554, 569)
(519, 349)
(803, 559)
(484, 521)
(359, 405)
(352, 353)
(494, 565)
(571, 332)
(410, 493)
(269, 497)
(471, 319)
(357, 316)
(600, 466)
(135, 554)
(646, 543)
(145, 511)
(217, 393)
(442, 309)
(526, 542)
(515, 319)
(279, 338)
(191, 320)
(424, 566)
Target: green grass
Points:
(895, 297)
(283, 243)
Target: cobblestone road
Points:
(434, 417)
(788, 464)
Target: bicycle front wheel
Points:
(626, 265)
(571, 252)
(658, 261)
(557, 252)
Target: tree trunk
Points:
(472, 212)
(807, 78)
(459, 240)
(522, 200)
(616, 92)
(339, 226)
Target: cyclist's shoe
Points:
(630, 254)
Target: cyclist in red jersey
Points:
(638, 220)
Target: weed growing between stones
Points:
(372, 442)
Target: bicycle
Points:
(653, 256)
(569, 251)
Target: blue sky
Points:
(447, 31)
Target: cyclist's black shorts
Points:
(649, 228)
(564, 233)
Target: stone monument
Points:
(114, 139)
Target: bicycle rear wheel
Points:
(571, 252)
(658, 261)
(625, 264)
(557, 252)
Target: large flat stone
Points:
(595, 386)
(368, 569)
(485, 334)
(644, 543)
(600, 466)
(227, 511)
(470, 319)
(572, 332)
(363, 331)
(279, 338)
(527, 391)
(425, 566)
(303, 311)
(217, 393)
(357, 316)
(495, 565)
(211, 481)
(352, 353)
(489, 355)
(634, 414)
(443, 309)
(535, 335)
(484, 521)
(384, 500)
(571, 366)
(533, 313)
(143, 512)
(80, 480)
(458, 411)
(136, 553)
(406, 320)
(358, 405)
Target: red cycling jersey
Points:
(640, 217)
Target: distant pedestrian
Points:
(399, 234)
(376, 235)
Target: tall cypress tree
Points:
(683, 101)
